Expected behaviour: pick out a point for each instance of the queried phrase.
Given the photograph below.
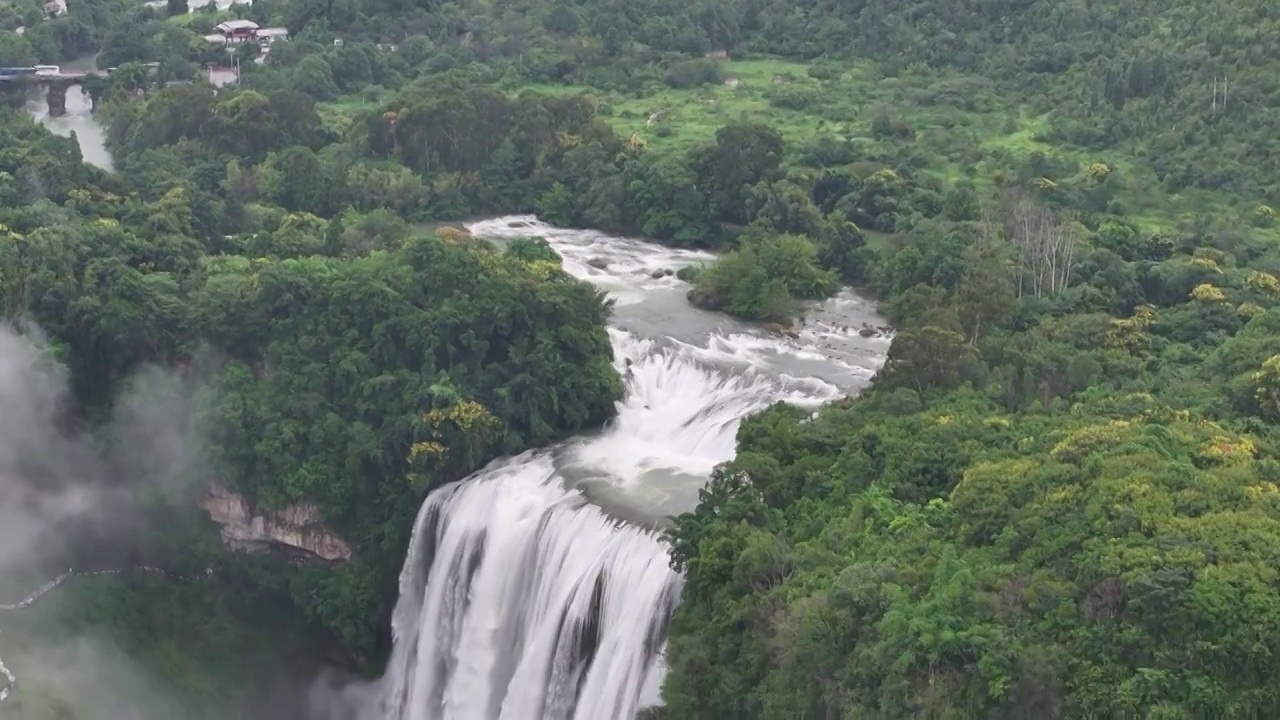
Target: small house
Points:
(237, 31)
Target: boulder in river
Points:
(780, 329)
(453, 235)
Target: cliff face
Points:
(297, 528)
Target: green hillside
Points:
(1060, 497)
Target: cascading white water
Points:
(521, 598)
(535, 604)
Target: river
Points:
(79, 118)
(538, 588)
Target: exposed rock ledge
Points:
(297, 528)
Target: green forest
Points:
(1060, 497)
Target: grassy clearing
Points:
(1139, 193)
(338, 115)
(957, 125)
(674, 120)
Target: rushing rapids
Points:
(539, 589)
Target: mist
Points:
(70, 498)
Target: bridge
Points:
(52, 77)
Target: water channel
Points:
(79, 118)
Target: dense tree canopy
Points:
(351, 362)
(1057, 500)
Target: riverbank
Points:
(78, 120)
(521, 588)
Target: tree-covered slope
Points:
(356, 366)
(1056, 501)
(1111, 559)
(1186, 86)
(378, 378)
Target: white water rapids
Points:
(537, 589)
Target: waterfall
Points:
(519, 600)
(524, 594)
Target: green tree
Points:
(742, 155)
(986, 296)
(16, 51)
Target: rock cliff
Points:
(297, 528)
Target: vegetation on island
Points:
(1059, 499)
